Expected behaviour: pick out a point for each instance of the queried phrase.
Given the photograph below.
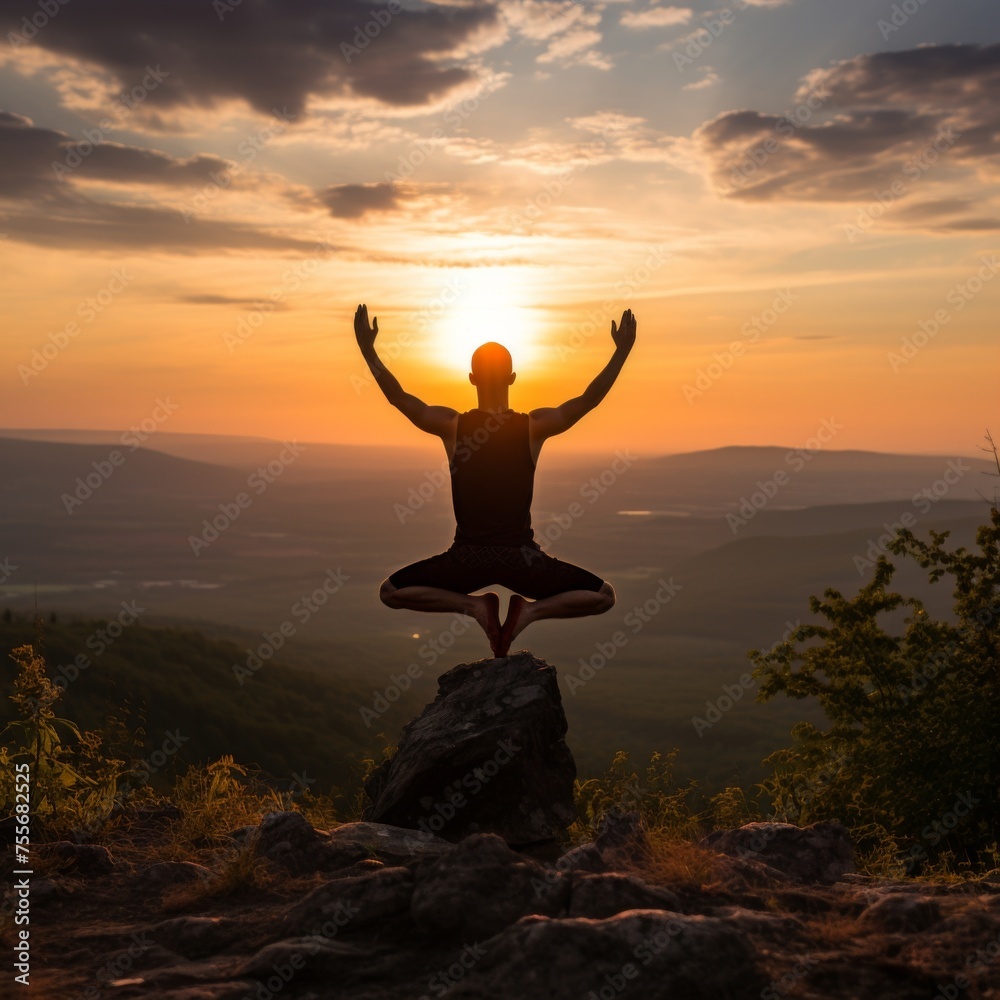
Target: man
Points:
(492, 452)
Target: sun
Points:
(485, 304)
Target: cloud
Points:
(206, 299)
(945, 215)
(657, 17)
(863, 124)
(578, 47)
(541, 19)
(71, 222)
(51, 207)
(33, 158)
(607, 136)
(261, 53)
(709, 79)
(569, 29)
(351, 201)
(927, 76)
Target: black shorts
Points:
(526, 570)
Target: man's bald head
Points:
(492, 365)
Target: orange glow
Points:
(489, 305)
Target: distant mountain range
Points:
(747, 534)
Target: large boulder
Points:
(487, 755)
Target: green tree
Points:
(911, 757)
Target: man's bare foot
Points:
(487, 613)
(517, 620)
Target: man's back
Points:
(492, 479)
(493, 450)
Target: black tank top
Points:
(492, 477)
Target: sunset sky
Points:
(798, 200)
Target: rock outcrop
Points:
(420, 917)
(488, 755)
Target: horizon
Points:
(429, 444)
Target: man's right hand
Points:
(624, 334)
(366, 334)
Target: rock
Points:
(288, 839)
(46, 888)
(583, 858)
(209, 977)
(305, 957)
(821, 852)
(601, 896)
(621, 839)
(283, 832)
(480, 887)
(196, 937)
(902, 913)
(845, 976)
(487, 755)
(779, 927)
(79, 859)
(638, 954)
(803, 902)
(351, 903)
(166, 873)
(392, 844)
(206, 991)
(139, 956)
(621, 843)
(746, 872)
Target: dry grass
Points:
(239, 870)
(833, 928)
(676, 862)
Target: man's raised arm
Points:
(433, 419)
(550, 420)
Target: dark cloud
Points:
(46, 206)
(945, 215)
(351, 201)
(73, 222)
(932, 75)
(229, 300)
(269, 53)
(869, 122)
(32, 158)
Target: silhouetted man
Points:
(492, 451)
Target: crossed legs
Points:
(485, 608)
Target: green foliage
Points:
(85, 782)
(731, 808)
(73, 773)
(662, 805)
(911, 759)
(216, 799)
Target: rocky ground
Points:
(429, 898)
(374, 912)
